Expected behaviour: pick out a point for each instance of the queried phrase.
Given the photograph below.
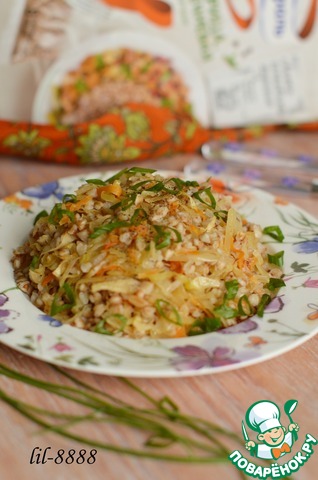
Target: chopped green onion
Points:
(99, 62)
(69, 198)
(205, 325)
(141, 170)
(126, 203)
(139, 184)
(95, 181)
(179, 184)
(100, 327)
(41, 214)
(157, 187)
(277, 258)
(162, 239)
(275, 283)
(81, 86)
(225, 311)
(222, 214)
(116, 176)
(109, 227)
(35, 262)
(207, 191)
(177, 234)
(168, 311)
(129, 172)
(231, 289)
(262, 304)
(275, 232)
(241, 311)
(66, 290)
(138, 215)
(58, 212)
(191, 183)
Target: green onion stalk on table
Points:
(165, 426)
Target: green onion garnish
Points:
(162, 239)
(157, 187)
(126, 203)
(231, 289)
(138, 215)
(116, 176)
(100, 327)
(275, 232)
(109, 227)
(58, 212)
(99, 62)
(277, 258)
(41, 214)
(81, 86)
(69, 198)
(65, 291)
(179, 184)
(208, 193)
(191, 183)
(262, 304)
(205, 325)
(35, 262)
(168, 311)
(225, 311)
(141, 170)
(244, 302)
(139, 184)
(129, 172)
(95, 181)
(275, 283)
(221, 214)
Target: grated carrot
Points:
(240, 255)
(180, 332)
(73, 207)
(113, 188)
(108, 268)
(187, 250)
(176, 267)
(140, 229)
(195, 230)
(110, 244)
(65, 219)
(46, 280)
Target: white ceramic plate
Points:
(288, 321)
(43, 101)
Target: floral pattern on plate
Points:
(290, 319)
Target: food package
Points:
(225, 63)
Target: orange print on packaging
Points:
(310, 20)
(157, 11)
(242, 22)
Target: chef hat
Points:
(263, 416)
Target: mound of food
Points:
(114, 78)
(141, 255)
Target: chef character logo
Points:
(275, 440)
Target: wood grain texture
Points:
(222, 398)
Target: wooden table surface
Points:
(222, 398)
